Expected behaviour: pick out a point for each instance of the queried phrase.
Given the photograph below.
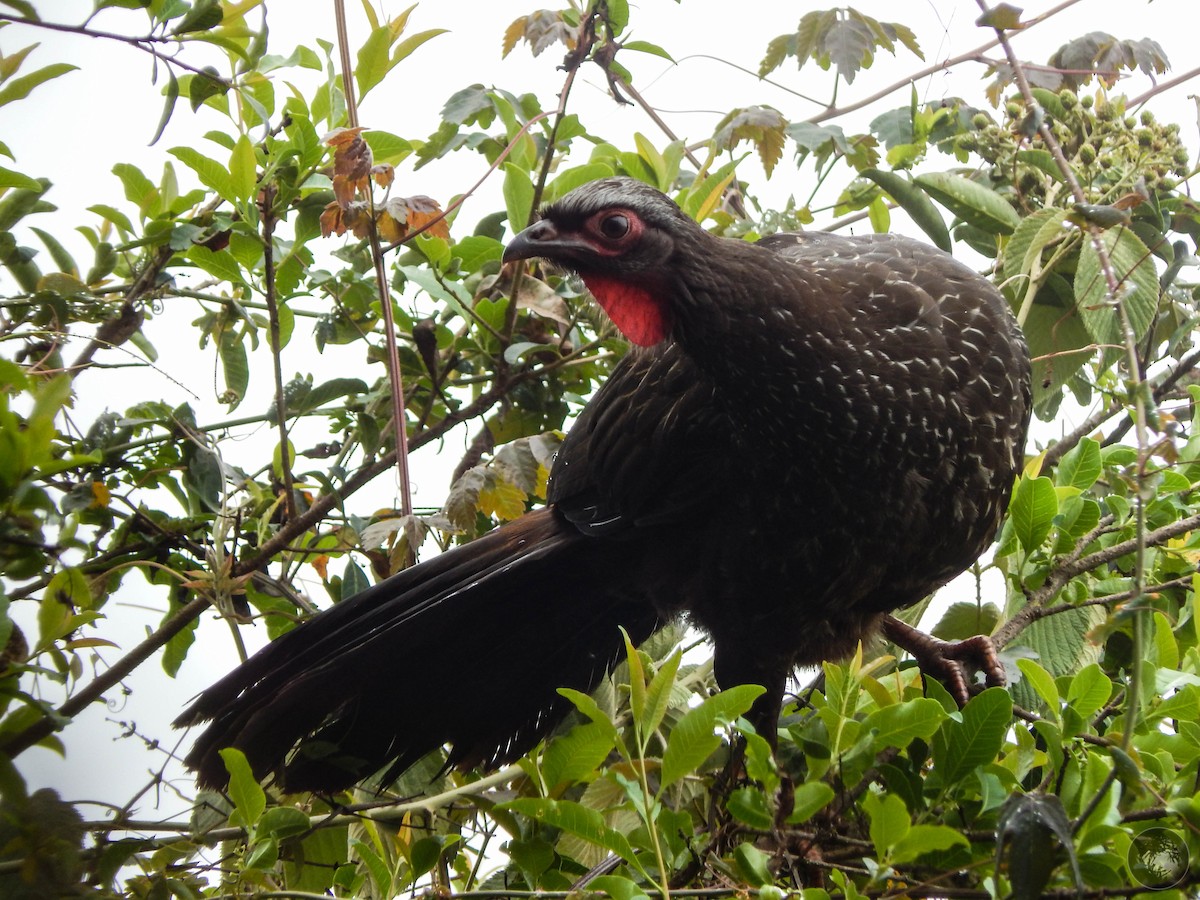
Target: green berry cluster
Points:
(1108, 149)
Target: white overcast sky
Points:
(76, 128)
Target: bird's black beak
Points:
(543, 239)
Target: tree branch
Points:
(1076, 564)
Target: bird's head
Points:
(620, 235)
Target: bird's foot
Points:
(950, 662)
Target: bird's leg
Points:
(947, 660)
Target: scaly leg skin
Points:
(947, 660)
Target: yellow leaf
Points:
(503, 500)
(101, 495)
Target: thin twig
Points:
(266, 207)
(1077, 564)
(143, 42)
(395, 374)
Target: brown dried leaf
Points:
(338, 219)
(357, 218)
(761, 125)
(540, 298)
(331, 220)
(512, 34)
(340, 137)
(390, 228)
(351, 163)
(540, 30)
(421, 210)
(384, 174)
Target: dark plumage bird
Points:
(811, 432)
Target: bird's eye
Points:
(614, 227)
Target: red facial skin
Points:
(639, 314)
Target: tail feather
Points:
(467, 649)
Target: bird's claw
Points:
(950, 662)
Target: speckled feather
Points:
(832, 434)
(829, 430)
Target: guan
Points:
(810, 432)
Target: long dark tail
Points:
(466, 649)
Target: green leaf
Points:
(658, 694)
(1080, 466)
(235, 367)
(354, 580)
(381, 875)
(587, 705)
(960, 747)
(211, 173)
(114, 215)
(475, 250)
(970, 201)
(966, 619)
(569, 179)
(753, 864)
(1002, 17)
(249, 799)
(810, 798)
(902, 723)
(647, 47)
(373, 61)
(618, 888)
(1062, 642)
(387, 147)
(749, 806)
(650, 155)
(333, 389)
(1034, 505)
(518, 196)
(19, 88)
(19, 203)
(1089, 690)
(890, 820)
(702, 198)
(203, 15)
(575, 755)
(637, 681)
(576, 819)
(243, 169)
(1023, 252)
(915, 202)
(170, 96)
(9, 179)
(412, 42)
(70, 587)
(922, 839)
(1133, 266)
(220, 264)
(694, 738)
(879, 216)
(282, 821)
(55, 617)
(139, 189)
(58, 253)
(204, 84)
(176, 649)
(263, 854)
(1043, 683)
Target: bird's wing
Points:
(642, 450)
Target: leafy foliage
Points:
(1080, 777)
